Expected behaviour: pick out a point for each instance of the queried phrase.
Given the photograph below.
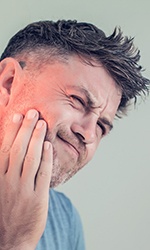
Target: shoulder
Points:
(63, 228)
(67, 219)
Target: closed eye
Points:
(78, 100)
(102, 127)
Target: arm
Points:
(25, 173)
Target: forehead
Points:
(78, 69)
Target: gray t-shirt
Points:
(63, 229)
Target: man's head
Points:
(77, 78)
(49, 41)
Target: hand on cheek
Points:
(25, 172)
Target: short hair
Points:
(62, 38)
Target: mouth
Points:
(71, 146)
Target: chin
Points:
(61, 176)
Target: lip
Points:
(70, 145)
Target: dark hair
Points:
(116, 52)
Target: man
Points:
(61, 85)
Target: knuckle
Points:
(30, 159)
(16, 149)
(5, 148)
(43, 173)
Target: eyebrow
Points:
(91, 103)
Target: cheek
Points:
(61, 112)
(56, 114)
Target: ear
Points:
(9, 68)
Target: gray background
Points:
(112, 192)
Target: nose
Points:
(85, 130)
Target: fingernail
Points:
(17, 118)
(31, 114)
(40, 124)
(46, 145)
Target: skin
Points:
(72, 106)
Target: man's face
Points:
(78, 102)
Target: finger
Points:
(8, 140)
(34, 155)
(43, 179)
(20, 145)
